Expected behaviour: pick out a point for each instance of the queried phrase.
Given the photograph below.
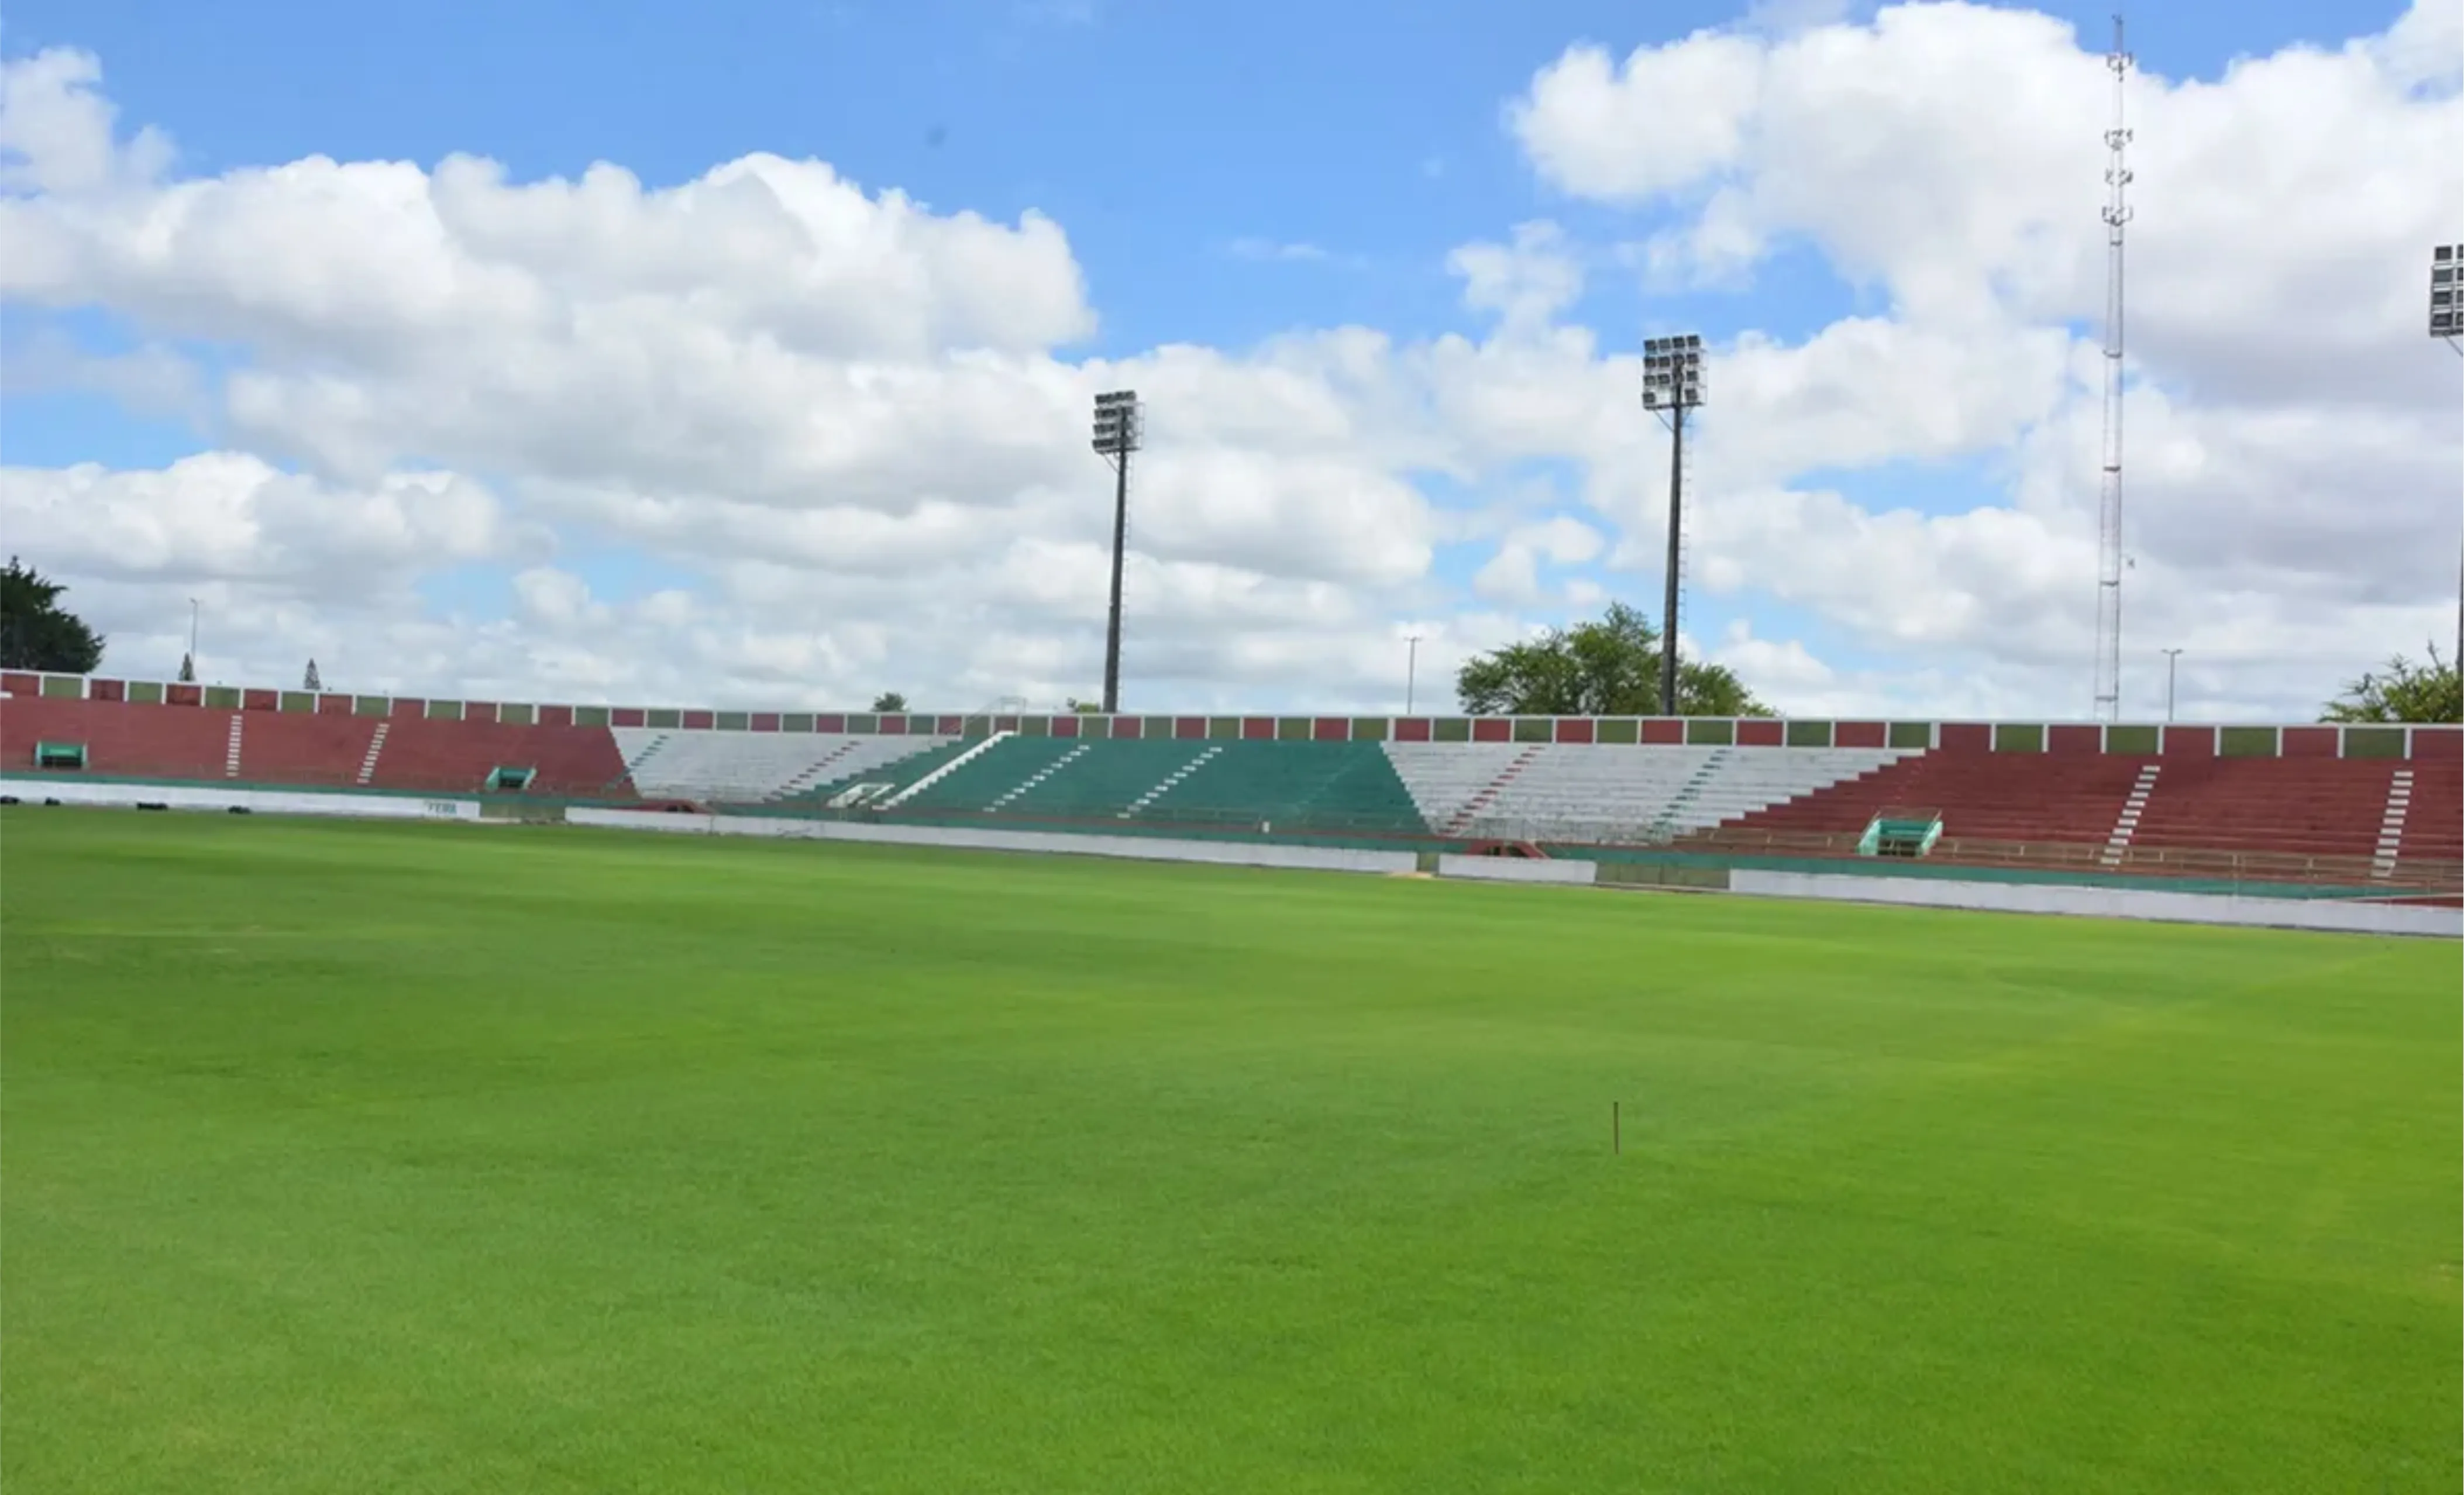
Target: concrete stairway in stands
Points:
(1672, 814)
(1490, 792)
(1031, 780)
(1171, 782)
(376, 750)
(2127, 824)
(820, 771)
(2391, 819)
(946, 769)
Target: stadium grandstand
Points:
(2364, 811)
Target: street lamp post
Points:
(2172, 657)
(1672, 383)
(1411, 671)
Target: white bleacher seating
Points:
(745, 767)
(1613, 793)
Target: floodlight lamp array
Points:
(2447, 291)
(1672, 372)
(1119, 423)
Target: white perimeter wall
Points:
(267, 801)
(2338, 914)
(1145, 848)
(1518, 869)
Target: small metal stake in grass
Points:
(1616, 1129)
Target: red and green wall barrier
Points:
(2307, 739)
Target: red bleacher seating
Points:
(296, 748)
(1981, 795)
(132, 741)
(325, 750)
(2314, 807)
(2434, 828)
(2299, 806)
(422, 754)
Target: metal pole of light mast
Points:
(1676, 503)
(1120, 540)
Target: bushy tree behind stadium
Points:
(2403, 691)
(1606, 668)
(37, 632)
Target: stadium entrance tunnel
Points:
(1512, 848)
(510, 780)
(1900, 833)
(60, 757)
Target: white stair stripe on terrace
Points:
(2399, 804)
(1039, 774)
(2127, 824)
(1619, 792)
(746, 766)
(939, 773)
(1171, 782)
(376, 745)
(230, 754)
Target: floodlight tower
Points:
(2447, 322)
(1119, 423)
(1672, 384)
(2108, 527)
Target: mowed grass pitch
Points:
(413, 1158)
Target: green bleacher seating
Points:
(1292, 786)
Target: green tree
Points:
(2402, 692)
(1606, 668)
(889, 701)
(37, 632)
(1080, 707)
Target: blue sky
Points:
(1224, 173)
(1159, 135)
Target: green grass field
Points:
(421, 1158)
